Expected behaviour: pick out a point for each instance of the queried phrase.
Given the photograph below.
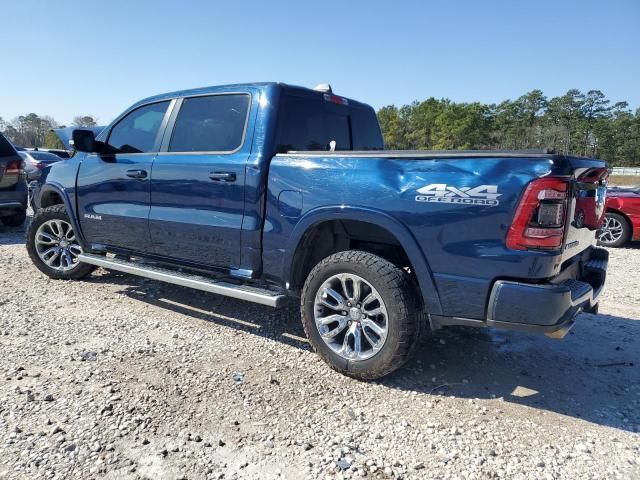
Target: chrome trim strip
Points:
(249, 294)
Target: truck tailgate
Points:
(586, 205)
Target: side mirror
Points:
(84, 141)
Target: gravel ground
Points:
(119, 377)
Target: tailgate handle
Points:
(136, 173)
(223, 176)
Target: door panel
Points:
(114, 186)
(198, 181)
(194, 217)
(113, 207)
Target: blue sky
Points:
(70, 57)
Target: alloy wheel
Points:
(57, 246)
(351, 316)
(611, 230)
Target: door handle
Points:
(223, 176)
(137, 173)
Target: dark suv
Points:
(13, 185)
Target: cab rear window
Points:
(311, 124)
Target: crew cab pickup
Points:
(266, 191)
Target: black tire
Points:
(594, 310)
(55, 212)
(399, 295)
(16, 219)
(626, 231)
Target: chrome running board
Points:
(220, 287)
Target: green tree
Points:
(389, 118)
(51, 140)
(573, 123)
(29, 130)
(594, 108)
(422, 123)
(84, 121)
(462, 126)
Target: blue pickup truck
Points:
(265, 191)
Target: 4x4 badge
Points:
(486, 195)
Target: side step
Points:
(220, 287)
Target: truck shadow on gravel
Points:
(281, 324)
(591, 374)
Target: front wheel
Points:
(53, 246)
(615, 230)
(361, 314)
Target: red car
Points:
(622, 217)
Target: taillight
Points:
(14, 167)
(39, 165)
(540, 218)
(330, 97)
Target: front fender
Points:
(423, 272)
(55, 187)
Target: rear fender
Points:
(423, 273)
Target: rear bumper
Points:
(549, 307)
(13, 198)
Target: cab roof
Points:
(295, 89)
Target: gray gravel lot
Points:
(120, 377)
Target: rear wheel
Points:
(53, 246)
(615, 230)
(360, 313)
(16, 219)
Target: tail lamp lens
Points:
(14, 167)
(540, 217)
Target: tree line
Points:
(577, 123)
(32, 130)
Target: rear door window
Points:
(211, 124)
(138, 131)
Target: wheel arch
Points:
(56, 194)
(383, 227)
(50, 196)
